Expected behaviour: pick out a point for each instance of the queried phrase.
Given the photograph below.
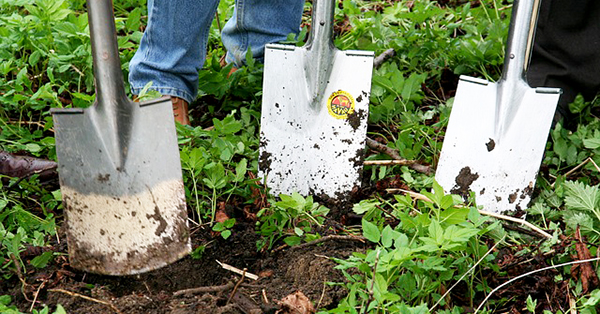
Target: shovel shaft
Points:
(113, 110)
(321, 32)
(320, 51)
(110, 88)
(520, 39)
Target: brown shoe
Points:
(180, 110)
(231, 71)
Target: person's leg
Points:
(256, 23)
(173, 48)
(566, 51)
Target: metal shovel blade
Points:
(314, 113)
(501, 171)
(497, 132)
(120, 171)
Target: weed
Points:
(224, 227)
(411, 261)
(215, 162)
(293, 218)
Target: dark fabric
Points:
(566, 51)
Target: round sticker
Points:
(340, 104)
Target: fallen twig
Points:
(322, 294)
(238, 271)
(570, 172)
(35, 296)
(330, 238)
(382, 148)
(520, 229)
(37, 123)
(207, 289)
(517, 220)
(19, 272)
(74, 294)
(387, 213)
(531, 273)
(594, 163)
(482, 212)
(237, 285)
(380, 59)
(403, 162)
(412, 194)
(77, 70)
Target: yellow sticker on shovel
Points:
(340, 104)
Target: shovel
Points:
(315, 107)
(120, 172)
(497, 132)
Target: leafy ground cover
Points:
(377, 251)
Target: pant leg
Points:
(256, 23)
(173, 47)
(566, 51)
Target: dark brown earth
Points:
(281, 272)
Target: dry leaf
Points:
(296, 303)
(23, 166)
(589, 279)
(221, 216)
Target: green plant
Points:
(215, 162)
(583, 208)
(6, 308)
(531, 304)
(198, 252)
(411, 262)
(293, 218)
(590, 304)
(224, 227)
(19, 227)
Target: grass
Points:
(419, 249)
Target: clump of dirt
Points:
(356, 117)
(490, 145)
(463, 182)
(264, 162)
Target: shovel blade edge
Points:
(313, 148)
(500, 169)
(125, 219)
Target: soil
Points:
(281, 272)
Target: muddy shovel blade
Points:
(500, 171)
(120, 172)
(314, 113)
(497, 132)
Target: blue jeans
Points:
(173, 48)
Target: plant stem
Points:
(196, 197)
